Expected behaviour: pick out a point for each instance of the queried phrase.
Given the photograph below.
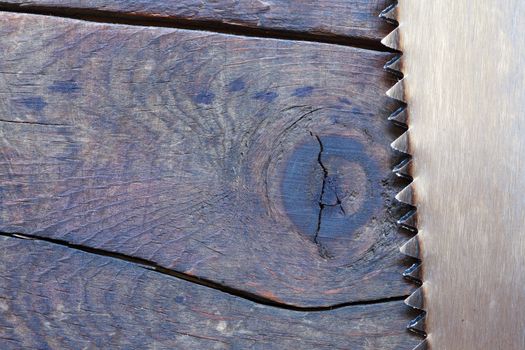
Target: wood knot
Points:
(330, 189)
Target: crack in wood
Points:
(200, 281)
(32, 123)
(322, 250)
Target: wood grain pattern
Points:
(259, 164)
(329, 18)
(54, 297)
(465, 86)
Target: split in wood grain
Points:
(57, 297)
(188, 278)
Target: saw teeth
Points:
(404, 169)
(390, 13)
(394, 65)
(409, 221)
(397, 91)
(392, 40)
(422, 346)
(400, 116)
(406, 195)
(413, 273)
(411, 248)
(401, 144)
(416, 300)
(418, 324)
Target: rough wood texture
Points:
(330, 18)
(465, 86)
(52, 297)
(259, 164)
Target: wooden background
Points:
(189, 175)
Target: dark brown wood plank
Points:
(259, 164)
(52, 297)
(357, 19)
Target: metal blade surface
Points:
(464, 82)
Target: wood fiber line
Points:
(207, 154)
(59, 298)
(331, 20)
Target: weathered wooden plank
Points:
(330, 18)
(53, 297)
(259, 164)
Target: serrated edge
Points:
(392, 40)
(413, 273)
(408, 221)
(402, 143)
(390, 13)
(394, 65)
(411, 248)
(404, 169)
(397, 91)
(417, 325)
(399, 116)
(416, 300)
(406, 195)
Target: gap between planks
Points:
(100, 16)
(202, 282)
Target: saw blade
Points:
(464, 85)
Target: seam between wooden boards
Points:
(100, 16)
